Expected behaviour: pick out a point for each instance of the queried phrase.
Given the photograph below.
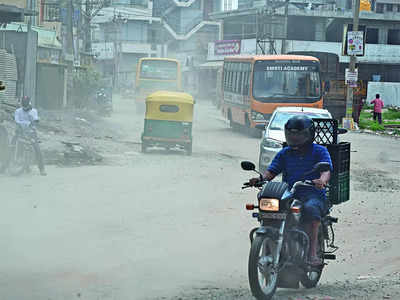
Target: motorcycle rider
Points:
(26, 116)
(296, 159)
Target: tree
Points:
(85, 83)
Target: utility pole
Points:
(70, 31)
(70, 45)
(285, 27)
(87, 33)
(118, 19)
(353, 61)
(92, 8)
(27, 88)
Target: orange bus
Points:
(253, 86)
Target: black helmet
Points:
(26, 103)
(299, 131)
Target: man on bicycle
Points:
(26, 117)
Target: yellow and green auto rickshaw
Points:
(168, 121)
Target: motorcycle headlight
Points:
(269, 204)
(256, 116)
(269, 143)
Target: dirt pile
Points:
(68, 137)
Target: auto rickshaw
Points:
(168, 121)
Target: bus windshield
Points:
(286, 80)
(159, 69)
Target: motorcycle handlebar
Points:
(257, 185)
(295, 185)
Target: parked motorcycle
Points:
(279, 253)
(104, 103)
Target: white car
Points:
(274, 134)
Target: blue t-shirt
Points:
(292, 165)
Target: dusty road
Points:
(169, 226)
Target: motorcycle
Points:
(104, 103)
(279, 253)
(21, 154)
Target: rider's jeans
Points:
(314, 209)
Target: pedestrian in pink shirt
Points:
(378, 104)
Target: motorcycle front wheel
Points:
(262, 276)
(19, 160)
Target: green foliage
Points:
(365, 115)
(391, 114)
(390, 117)
(376, 127)
(85, 83)
(364, 123)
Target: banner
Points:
(227, 47)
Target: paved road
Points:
(161, 224)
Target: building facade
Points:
(318, 27)
(124, 33)
(321, 28)
(186, 31)
(228, 5)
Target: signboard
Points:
(351, 78)
(75, 16)
(103, 50)
(292, 68)
(287, 65)
(355, 43)
(231, 47)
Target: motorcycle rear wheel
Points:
(262, 278)
(311, 278)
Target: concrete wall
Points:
(134, 31)
(18, 3)
(375, 53)
(24, 47)
(389, 92)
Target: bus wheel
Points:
(247, 127)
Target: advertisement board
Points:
(225, 47)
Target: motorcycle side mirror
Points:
(248, 166)
(342, 130)
(321, 167)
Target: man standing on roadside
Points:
(378, 105)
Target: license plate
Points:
(281, 216)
